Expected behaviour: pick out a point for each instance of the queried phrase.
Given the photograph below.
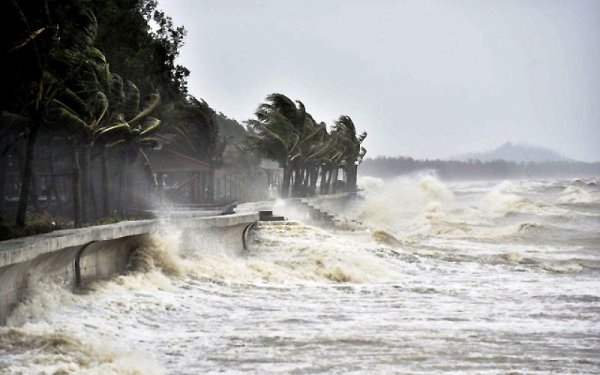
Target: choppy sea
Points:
(438, 277)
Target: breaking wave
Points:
(390, 205)
(578, 195)
(428, 251)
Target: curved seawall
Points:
(77, 256)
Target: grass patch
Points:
(9, 231)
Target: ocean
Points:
(417, 276)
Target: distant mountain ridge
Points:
(515, 153)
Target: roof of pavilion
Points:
(167, 160)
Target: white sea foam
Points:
(578, 195)
(41, 338)
(453, 280)
(394, 204)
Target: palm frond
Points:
(151, 104)
(150, 125)
(131, 103)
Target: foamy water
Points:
(493, 277)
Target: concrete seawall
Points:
(77, 256)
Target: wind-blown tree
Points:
(312, 148)
(113, 87)
(238, 156)
(138, 52)
(196, 128)
(11, 135)
(277, 132)
(41, 57)
(130, 132)
(196, 131)
(77, 113)
(352, 151)
(285, 132)
(56, 84)
(323, 157)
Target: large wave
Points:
(418, 232)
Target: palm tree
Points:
(197, 131)
(131, 131)
(41, 62)
(78, 113)
(350, 145)
(285, 132)
(113, 87)
(307, 160)
(277, 132)
(76, 119)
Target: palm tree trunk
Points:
(326, 180)
(121, 190)
(334, 177)
(34, 194)
(93, 213)
(85, 183)
(285, 184)
(3, 179)
(306, 182)
(314, 176)
(323, 186)
(298, 181)
(352, 177)
(27, 177)
(53, 180)
(105, 183)
(76, 185)
(210, 191)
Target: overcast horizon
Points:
(427, 79)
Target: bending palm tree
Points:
(131, 132)
(350, 145)
(45, 64)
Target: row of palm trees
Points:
(285, 132)
(71, 94)
(61, 89)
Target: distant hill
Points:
(516, 153)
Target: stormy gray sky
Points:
(424, 78)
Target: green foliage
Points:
(117, 219)
(230, 129)
(139, 53)
(58, 79)
(34, 226)
(132, 128)
(46, 52)
(347, 141)
(196, 130)
(285, 132)
(98, 75)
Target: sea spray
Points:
(579, 195)
(289, 253)
(42, 298)
(490, 293)
(395, 204)
(45, 350)
(498, 203)
(158, 251)
(39, 338)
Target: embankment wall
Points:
(77, 256)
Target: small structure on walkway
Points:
(181, 178)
